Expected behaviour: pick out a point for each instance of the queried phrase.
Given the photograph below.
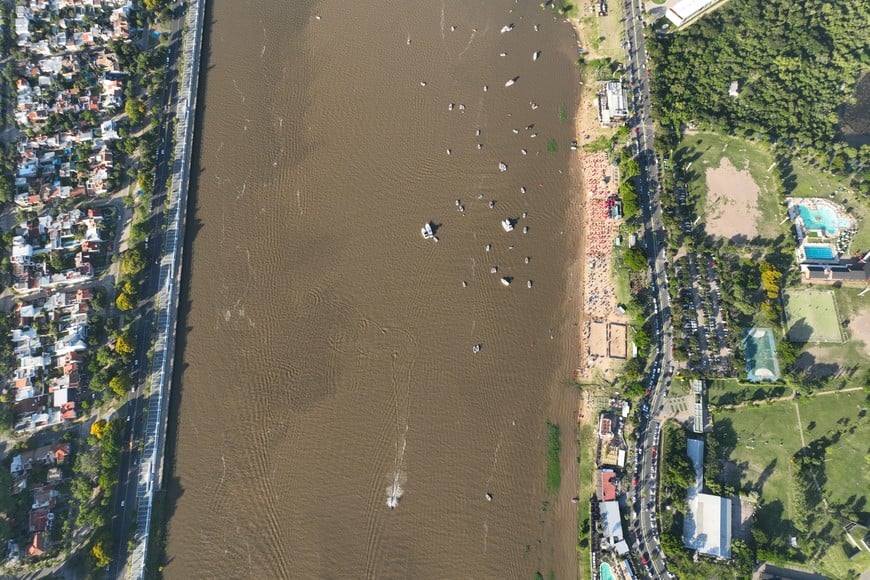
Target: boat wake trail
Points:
(394, 490)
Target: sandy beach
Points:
(603, 344)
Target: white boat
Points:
(511, 82)
(507, 224)
(428, 231)
(507, 28)
(528, 259)
(475, 349)
(529, 284)
(522, 189)
(506, 281)
(502, 166)
(525, 229)
(450, 107)
(536, 55)
(493, 270)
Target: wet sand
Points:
(327, 362)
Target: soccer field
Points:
(812, 316)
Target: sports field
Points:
(812, 316)
(718, 168)
(764, 440)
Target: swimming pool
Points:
(822, 218)
(819, 252)
(606, 573)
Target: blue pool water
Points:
(606, 573)
(819, 252)
(822, 218)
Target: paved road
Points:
(660, 371)
(125, 509)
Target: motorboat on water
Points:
(493, 270)
(507, 224)
(528, 259)
(502, 166)
(511, 82)
(476, 348)
(506, 281)
(507, 27)
(522, 189)
(450, 107)
(536, 55)
(525, 229)
(529, 284)
(428, 232)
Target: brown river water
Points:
(325, 364)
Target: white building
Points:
(611, 524)
(707, 526)
(685, 10)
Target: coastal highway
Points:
(644, 501)
(125, 508)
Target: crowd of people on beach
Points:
(599, 296)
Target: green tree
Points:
(124, 302)
(132, 262)
(124, 344)
(120, 384)
(135, 109)
(635, 259)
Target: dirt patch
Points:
(618, 344)
(742, 509)
(598, 339)
(859, 326)
(732, 202)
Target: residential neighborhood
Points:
(77, 148)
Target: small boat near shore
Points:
(511, 82)
(536, 55)
(507, 224)
(507, 27)
(506, 281)
(476, 348)
(502, 166)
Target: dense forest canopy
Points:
(796, 61)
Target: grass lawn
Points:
(766, 437)
(733, 392)
(602, 35)
(813, 316)
(707, 149)
(848, 361)
(586, 489)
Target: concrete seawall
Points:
(150, 474)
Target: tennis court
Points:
(761, 362)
